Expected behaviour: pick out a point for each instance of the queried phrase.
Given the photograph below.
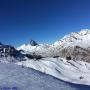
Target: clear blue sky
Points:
(41, 20)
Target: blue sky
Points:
(42, 20)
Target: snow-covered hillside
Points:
(14, 77)
(71, 71)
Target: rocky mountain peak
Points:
(33, 43)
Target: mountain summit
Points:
(33, 43)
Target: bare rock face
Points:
(75, 53)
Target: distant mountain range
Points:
(75, 45)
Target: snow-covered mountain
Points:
(67, 59)
(39, 49)
(75, 45)
(73, 37)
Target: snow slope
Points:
(13, 77)
(71, 71)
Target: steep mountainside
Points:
(75, 45)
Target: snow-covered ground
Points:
(71, 71)
(14, 77)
